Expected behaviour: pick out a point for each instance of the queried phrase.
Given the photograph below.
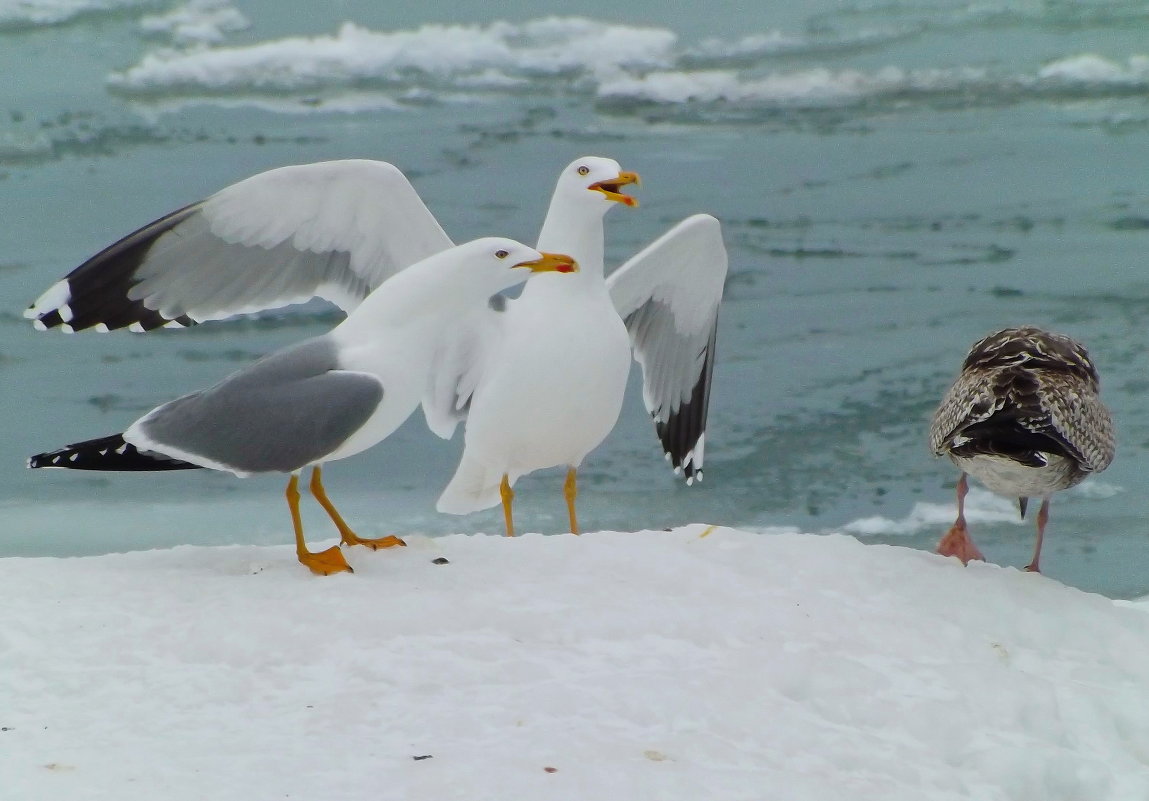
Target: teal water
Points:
(895, 181)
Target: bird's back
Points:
(1028, 397)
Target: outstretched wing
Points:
(334, 229)
(668, 296)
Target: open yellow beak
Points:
(612, 188)
(551, 263)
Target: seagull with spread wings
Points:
(539, 379)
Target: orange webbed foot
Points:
(957, 542)
(324, 563)
(351, 538)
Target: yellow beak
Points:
(551, 263)
(611, 188)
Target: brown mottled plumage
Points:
(1025, 419)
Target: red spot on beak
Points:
(565, 268)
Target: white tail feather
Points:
(474, 487)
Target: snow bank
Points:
(615, 666)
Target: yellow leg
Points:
(346, 535)
(570, 492)
(325, 562)
(508, 495)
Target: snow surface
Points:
(615, 666)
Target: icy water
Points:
(895, 180)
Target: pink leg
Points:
(956, 541)
(1042, 519)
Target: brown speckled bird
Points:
(1023, 418)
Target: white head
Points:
(492, 264)
(452, 282)
(596, 182)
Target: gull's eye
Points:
(584, 170)
(502, 254)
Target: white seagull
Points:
(1024, 418)
(328, 397)
(540, 379)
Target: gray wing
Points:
(668, 296)
(333, 229)
(284, 412)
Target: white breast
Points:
(557, 388)
(1006, 477)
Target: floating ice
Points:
(622, 67)
(980, 507)
(1094, 489)
(1089, 68)
(448, 53)
(198, 21)
(21, 13)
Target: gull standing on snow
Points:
(553, 387)
(1023, 418)
(540, 382)
(328, 397)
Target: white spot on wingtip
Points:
(136, 328)
(698, 476)
(73, 457)
(173, 324)
(101, 328)
(65, 312)
(120, 450)
(699, 450)
(38, 324)
(54, 299)
(67, 329)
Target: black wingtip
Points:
(97, 293)
(109, 453)
(683, 434)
